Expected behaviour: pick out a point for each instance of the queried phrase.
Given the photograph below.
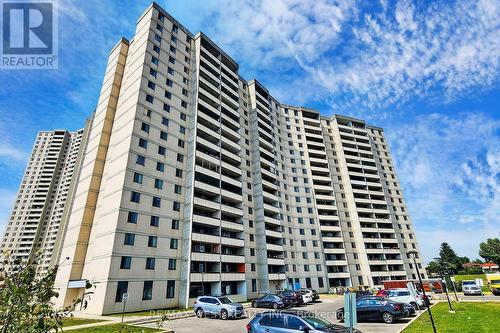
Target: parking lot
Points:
(325, 308)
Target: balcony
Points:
(205, 277)
(232, 277)
(277, 276)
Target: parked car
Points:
(404, 296)
(470, 287)
(222, 307)
(292, 321)
(376, 308)
(363, 293)
(272, 301)
(314, 293)
(382, 293)
(307, 295)
(294, 296)
(408, 307)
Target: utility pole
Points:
(414, 255)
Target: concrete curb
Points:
(415, 318)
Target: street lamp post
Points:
(414, 255)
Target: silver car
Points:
(220, 306)
(292, 321)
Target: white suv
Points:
(403, 295)
(221, 307)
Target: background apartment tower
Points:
(196, 181)
(44, 198)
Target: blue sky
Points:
(429, 73)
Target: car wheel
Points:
(275, 306)
(254, 304)
(340, 316)
(414, 305)
(388, 318)
(223, 315)
(200, 313)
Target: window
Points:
(161, 150)
(152, 241)
(140, 160)
(177, 189)
(150, 263)
(125, 262)
(145, 127)
(180, 143)
(129, 239)
(137, 178)
(155, 221)
(168, 94)
(132, 217)
(135, 196)
(166, 107)
(170, 71)
(177, 206)
(172, 264)
(180, 158)
(164, 121)
(160, 166)
(182, 129)
(157, 38)
(295, 323)
(151, 85)
(170, 288)
(153, 72)
(170, 83)
(178, 173)
(184, 104)
(154, 60)
(149, 98)
(175, 225)
(171, 59)
(143, 143)
(156, 202)
(156, 49)
(163, 135)
(174, 243)
(121, 289)
(158, 184)
(147, 291)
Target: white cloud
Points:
(450, 174)
(369, 58)
(7, 151)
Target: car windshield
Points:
(317, 322)
(468, 283)
(495, 281)
(225, 300)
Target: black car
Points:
(292, 321)
(315, 295)
(363, 293)
(376, 308)
(272, 301)
(293, 296)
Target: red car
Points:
(382, 293)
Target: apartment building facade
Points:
(196, 181)
(41, 208)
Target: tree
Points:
(449, 260)
(432, 268)
(25, 297)
(490, 250)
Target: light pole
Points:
(444, 274)
(413, 254)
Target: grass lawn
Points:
(115, 328)
(469, 317)
(72, 321)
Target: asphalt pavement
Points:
(325, 308)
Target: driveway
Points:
(325, 309)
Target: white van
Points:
(403, 295)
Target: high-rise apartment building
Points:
(197, 181)
(43, 201)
